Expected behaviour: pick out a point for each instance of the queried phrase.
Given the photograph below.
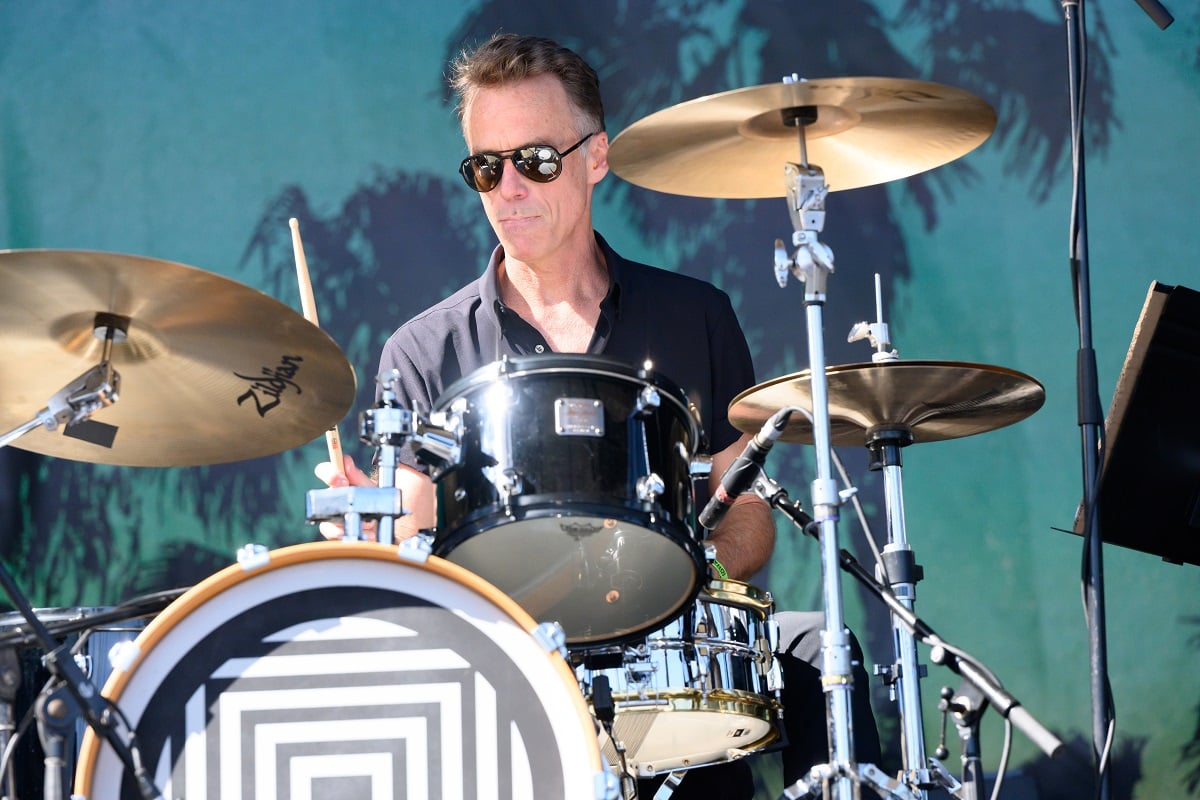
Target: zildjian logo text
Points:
(267, 390)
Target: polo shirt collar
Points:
(489, 283)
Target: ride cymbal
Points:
(934, 400)
(866, 131)
(211, 370)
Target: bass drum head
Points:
(335, 669)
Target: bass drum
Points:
(341, 669)
(573, 494)
(703, 690)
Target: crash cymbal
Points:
(934, 400)
(735, 144)
(211, 370)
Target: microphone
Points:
(742, 472)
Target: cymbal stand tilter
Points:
(812, 263)
(73, 405)
(387, 427)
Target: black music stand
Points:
(1149, 494)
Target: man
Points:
(533, 121)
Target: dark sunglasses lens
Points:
(539, 163)
(482, 172)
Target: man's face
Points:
(536, 221)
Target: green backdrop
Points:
(193, 131)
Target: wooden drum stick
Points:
(309, 305)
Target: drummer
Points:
(533, 121)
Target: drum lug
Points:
(648, 400)
(771, 627)
(416, 549)
(650, 487)
(700, 466)
(253, 556)
(607, 787)
(508, 484)
(439, 441)
(551, 637)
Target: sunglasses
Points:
(538, 162)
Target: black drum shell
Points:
(578, 491)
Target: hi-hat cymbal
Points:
(735, 144)
(934, 400)
(211, 370)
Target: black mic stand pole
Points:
(1091, 417)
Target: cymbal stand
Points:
(812, 263)
(901, 572)
(898, 569)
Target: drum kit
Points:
(557, 635)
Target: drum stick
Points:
(309, 305)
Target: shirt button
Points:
(539, 348)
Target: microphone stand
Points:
(1091, 416)
(57, 710)
(942, 652)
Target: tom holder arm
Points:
(387, 427)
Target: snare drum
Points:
(573, 494)
(703, 690)
(339, 669)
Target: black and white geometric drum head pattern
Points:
(336, 670)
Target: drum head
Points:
(337, 670)
(573, 494)
(602, 579)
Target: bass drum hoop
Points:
(216, 585)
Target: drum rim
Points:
(215, 584)
(739, 594)
(726, 702)
(573, 363)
